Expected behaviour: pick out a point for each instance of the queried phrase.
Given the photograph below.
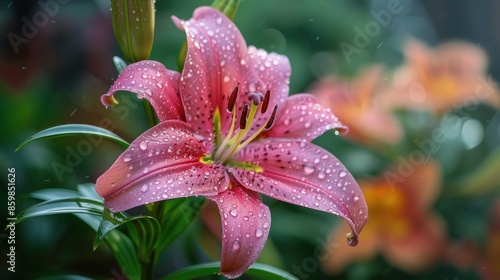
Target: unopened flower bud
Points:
(133, 24)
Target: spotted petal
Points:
(245, 226)
(304, 118)
(151, 80)
(162, 163)
(301, 173)
(217, 61)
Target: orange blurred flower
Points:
(401, 227)
(451, 75)
(489, 266)
(353, 103)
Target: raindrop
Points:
(143, 145)
(234, 213)
(236, 245)
(308, 169)
(352, 239)
(307, 124)
(146, 170)
(321, 175)
(127, 158)
(342, 173)
(164, 195)
(356, 198)
(265, 225)
(259, 233)
(144, 188)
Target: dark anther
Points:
(255, 97)
(265, 104)
(270, 122)
(243, 118)
(232, 100)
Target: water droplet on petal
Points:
(321, 175)
(143, 145)
(259, 233)
(342, 173)
(144, 188)
(127, 158)
(234, 212)
(265, 225)
(236, 245)
(352, 239)
(356, 198)
(308, 169)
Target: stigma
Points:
(239, 134)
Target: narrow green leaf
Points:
(144, 230)
(69, 205)
(213, 268)
(75, 129)
(177, 215)
(125, 254)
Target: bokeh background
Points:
(58, 74)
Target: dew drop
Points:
(236, 245)
(146, 170)
(234, 213)
(144, 188)
(127, 158)
(356, 198)
(259, 233)
(342, 173)
(307, 124)
(352, 239)
(265, 225)
(143, 145)
(321, 175)
(164, 195)
(308, 169)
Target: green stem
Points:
(150, 114)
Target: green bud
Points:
(133, 24)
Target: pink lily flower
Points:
(228, 131)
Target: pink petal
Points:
(217, 61)
(304, 118)
(162, 163)
(151, 80)
(245, 226)
(301, 173)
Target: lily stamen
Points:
(233, 141)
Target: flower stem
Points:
(150, 114)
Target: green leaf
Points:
(125, 254)
(144, 230)
(481, 180)
(177, 215)
(227, 7)
(213, 268)
(69, 205)
(75, 129)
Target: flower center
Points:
(239, 135)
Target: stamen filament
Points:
(239, 136)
